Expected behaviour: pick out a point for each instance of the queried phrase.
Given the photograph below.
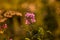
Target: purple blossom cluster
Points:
(4, 26)
(30, 18)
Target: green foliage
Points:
(41, 31)
(27, 39)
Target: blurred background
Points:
(46, 27)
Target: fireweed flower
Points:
(10, 39)
(5, 26)
(30, 18)
(2, 28)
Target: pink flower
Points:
(30, 18)
(27, 22)
(5, 26)
(11, 39)
(33, 20)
